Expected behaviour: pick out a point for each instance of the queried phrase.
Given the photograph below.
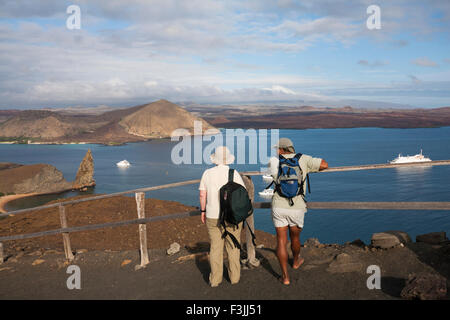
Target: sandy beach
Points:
(5, 199)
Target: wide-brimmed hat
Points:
(222, 156)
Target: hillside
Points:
(154, 120)
(33, 178)
(41, 124)
(6, 114)
(160, 119)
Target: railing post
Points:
(65, 235)
(2, 257)
(140, 201)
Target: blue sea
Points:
(152, 165)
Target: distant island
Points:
(157, 120)
(140, 123)
(308, 117)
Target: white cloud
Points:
(334, 28)
(280, 89)
(142, 49)
(424, 62)
(376, 63)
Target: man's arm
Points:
(202, 199)
(273, 166)
(315, 164)
(323, 165)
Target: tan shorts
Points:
(282, 217)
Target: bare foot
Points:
(284, 281)
(297, 264)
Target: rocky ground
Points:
(37, 269)
(329, 272)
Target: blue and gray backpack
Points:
(289, 182)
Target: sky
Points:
(224, 52)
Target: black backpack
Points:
(235, 207)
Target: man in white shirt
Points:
(287, 215)
(212, 180)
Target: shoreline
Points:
(4, 200)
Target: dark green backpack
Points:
(235, 207)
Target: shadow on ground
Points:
(392, 286)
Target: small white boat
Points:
(267, 178)
(408, 159)
(123, 164)
(266, 193)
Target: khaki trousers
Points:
(216, 252)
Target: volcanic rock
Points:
(432, 238)
(174, 248)
(35, 178)
(389, 239)
(311, 242)
(425, 286)
(85, 174)
(344, 263)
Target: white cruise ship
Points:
(266, 193)
(267, 178)
(408, 159)
(123, 164)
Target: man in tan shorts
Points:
(212, 180)
(290, 217)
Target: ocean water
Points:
(152, 165)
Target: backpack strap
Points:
(251, 232)
(307, 181)
(298, 156)
(233, 238)
(230, 175)
(273, 181)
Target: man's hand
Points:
(202, 198)
(323, 165)
(203, 217)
